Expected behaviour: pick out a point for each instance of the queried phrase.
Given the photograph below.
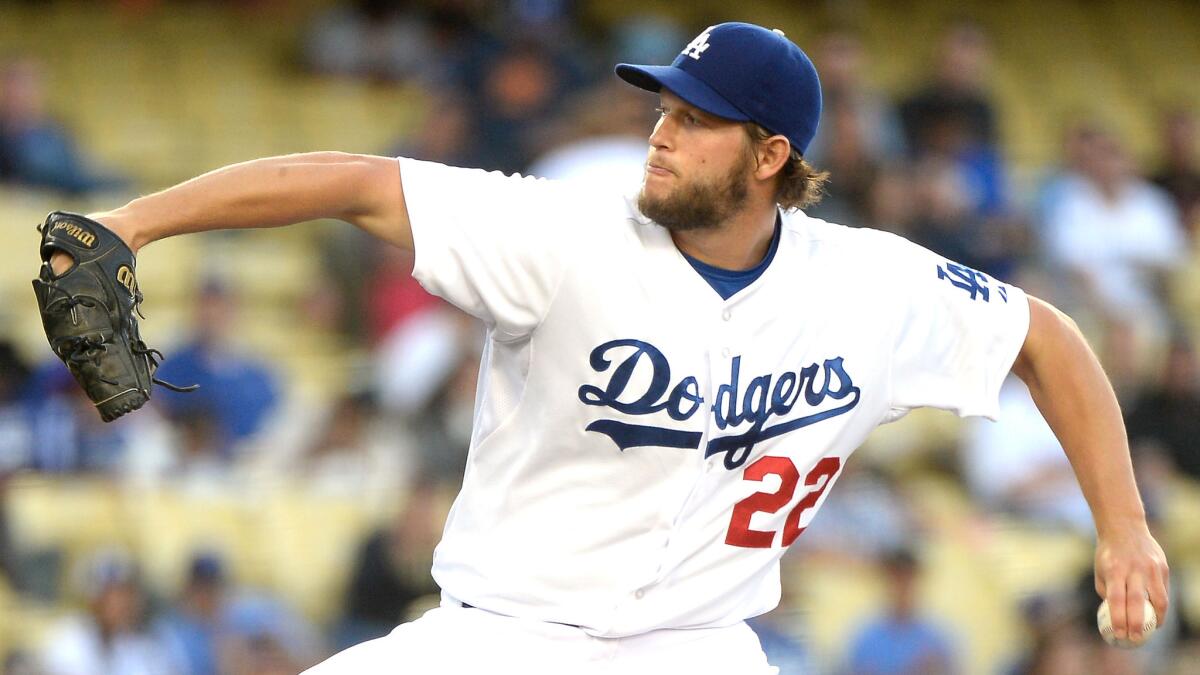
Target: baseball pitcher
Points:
(672, 380)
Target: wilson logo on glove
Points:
(125, 278)
(81, 235)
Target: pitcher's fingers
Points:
(1116, 607)
(1160, 597)
(1135, 605)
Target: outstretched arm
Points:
(1074, 395)
(361, 189)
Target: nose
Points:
(662, 136)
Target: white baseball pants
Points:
(450, 640)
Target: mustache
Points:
(659, 164)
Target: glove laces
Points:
(87, 349)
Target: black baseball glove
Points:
(88, 314)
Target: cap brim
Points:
(683, 85)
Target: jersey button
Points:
(727, 315)
(725, 352)
(639, 593)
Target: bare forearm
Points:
(1073, 393)
(268, 193)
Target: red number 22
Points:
(740, 533)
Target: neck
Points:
(739, 243)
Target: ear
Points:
(771, 155)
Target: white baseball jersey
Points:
(644, 451)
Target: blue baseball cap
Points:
(745, 73)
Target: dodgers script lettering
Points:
(764, 398)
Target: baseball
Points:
(1104, 621)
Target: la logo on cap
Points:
(698, 46)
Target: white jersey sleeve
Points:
(957, 335)
(491, 244)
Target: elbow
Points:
(1048, 328)
(380, 208)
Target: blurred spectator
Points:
(18, 569)
(609, 130)
(70, 435)
(1059, 645)
(1166, 415)
(35, 150)
(262, 655)
(1117, 235)
(442, 428)
(1179, 174)
(548, 21)
(215, 628)
(891, 202)
(841, 60)
(435, 42)
(1016, 465)
(108, 639)
(446, 133)
(392, 570)
(377, 39)
(955, 99)
(393, 296)
(15, 441)
(239, 393)
(267, 637)
(15, 433)
(193, 630)
(519, 95)
(462, 46)
(858, 130)
(953, 117)
(354, 453)
(1078, 136)
(419, 355)
(199, 451)
(646, 38)
(945, 223)
(900, 641)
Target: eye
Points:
(692, 120)
(662, 111)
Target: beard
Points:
(699, 206)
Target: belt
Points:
(569, 625)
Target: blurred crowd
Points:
(524, 86)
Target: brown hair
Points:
(800, 183)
